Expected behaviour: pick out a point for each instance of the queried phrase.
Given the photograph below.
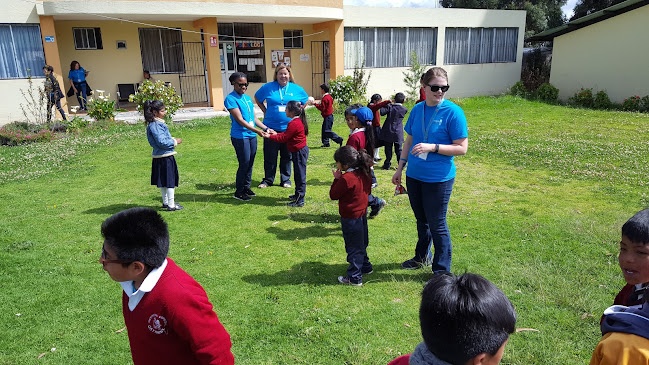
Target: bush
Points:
(602, 101)
(535, 69)
(548, 93)
(102, 107)
(644, 104)
(631, 104)
(17, 133)
(519, 90)
(342, 90)
(76, 124)
(583, 98)
(157, 91)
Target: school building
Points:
(196, 45)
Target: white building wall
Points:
(465, 80)
(611, 55)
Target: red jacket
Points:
(401, 360)
(356, 140)
(351, 191)
(293, 136)
(376, 122)
(326, 105)
(422, 95)
(175, 324)
(624, 297)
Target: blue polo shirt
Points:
(77, 75)
(425, 125)
(275, 97)
(246, 107)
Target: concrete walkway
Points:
(183, 114)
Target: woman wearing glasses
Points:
(277, 94)
(243, 133)
(436, 132)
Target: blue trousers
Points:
(271, 149)
(429, 202)
(299, 168)
(327, 125)
(356, 241)
(246, 149)
(82, 94)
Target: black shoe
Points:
(250, 192)
(377, 210)
(340, 144)
(242, 196)
(367, 272)
(292, 197)
(174, 208)
(325, 146)
(165, 206)
(295, 204)
(412, 264)
(377, 159)
(386, 166)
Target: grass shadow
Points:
(215, 187)
(317, 182)
(257, 200)
(312, 231)
(318, 273)
(307, 217)
(114, 208)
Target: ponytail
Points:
(369, 136)
(149, 107)
(360, 160)
(296, 108)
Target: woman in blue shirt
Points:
(276, 94)
(243, 133)
(77, 77)
(436, 132)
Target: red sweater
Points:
(174, 324)
(401, 360)
(351, 191)
(293, 136)
(376, 122)
(624, 296)
(326, 106)
(356, 140)
(422, 95)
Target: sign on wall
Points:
(280, 57)
(49, 39)
(214, 41)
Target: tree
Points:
(586, 7)
(412, 75)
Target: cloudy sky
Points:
(567, 9)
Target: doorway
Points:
(228, 65)
(319, 66)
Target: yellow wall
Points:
(610, 55)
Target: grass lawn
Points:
(537, 207)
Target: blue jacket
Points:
(160, 139)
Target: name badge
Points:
(281, 108)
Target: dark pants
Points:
(82, 94)
(327, 133)
(51, 101)
(356, 241)
(246, 149)
(373, 201)
(388, 152)
(299, 167)
(429, 202)
(270, 162)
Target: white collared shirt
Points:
(134, 296)
(357, 130)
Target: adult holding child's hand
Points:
(436, 132)
(276, 95)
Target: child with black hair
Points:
(359, 121)
(167, 313)
(464, 320)
(164, 170)
(376, 104)
(351, 187)
(295, 138)
(634, 259)
(392, 131)
(325, 106)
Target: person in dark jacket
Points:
(52, 92)
(391, 135)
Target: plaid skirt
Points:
(164, 172)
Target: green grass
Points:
(537, 207)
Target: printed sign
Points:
(49, 39)
(214, 41)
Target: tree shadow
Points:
(114, 208)
(307, 217)
(216, 187)
(317, 182)
(292, 234)
(257, 200)
(318, 274)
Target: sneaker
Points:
(263, 185)
(174, 208)
(324, 146)
(286, 184)
(165, 206)
(340, 144)
(367, 272)
(374, 185)
(292, 197)
(377, 159)
(345, 280)
(295, 204)
(377, 210)
(411, 264)
(242, 196)
(386, 166)
(250, 192)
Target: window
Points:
(480, 45)
(162, 50)
(87, 38)
(248, 42)
(21, 51)
(292, 38)
(389, 47)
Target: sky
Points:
(567, 9)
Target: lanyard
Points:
(427, 128)
(247, 106)
(285, 91)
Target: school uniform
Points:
(376, 122)
(326, 110)
(391, 135)
(294, 137)
(357, 140)
(164, 170)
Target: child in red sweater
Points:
(295, 138)
(167, 313)
(325, 106)
(351, 187)
(375, 104)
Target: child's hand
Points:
(271, 131)
(337, 173)
(264, 134)
(179, 140)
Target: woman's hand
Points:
(396, 178)
(420, 148)
(337, 173)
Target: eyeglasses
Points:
(103, 260)
(436, 88)
(243, 85)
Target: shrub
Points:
(412, 76)
(76, 124)
(157, 91)
(518, 90)
(535, 69)
(602, 101)
(583, 98)
(17, 133)
(35, 107)
(548, 93)
(342, 90)
(631, 103)
(644, 104)
(102, 107)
